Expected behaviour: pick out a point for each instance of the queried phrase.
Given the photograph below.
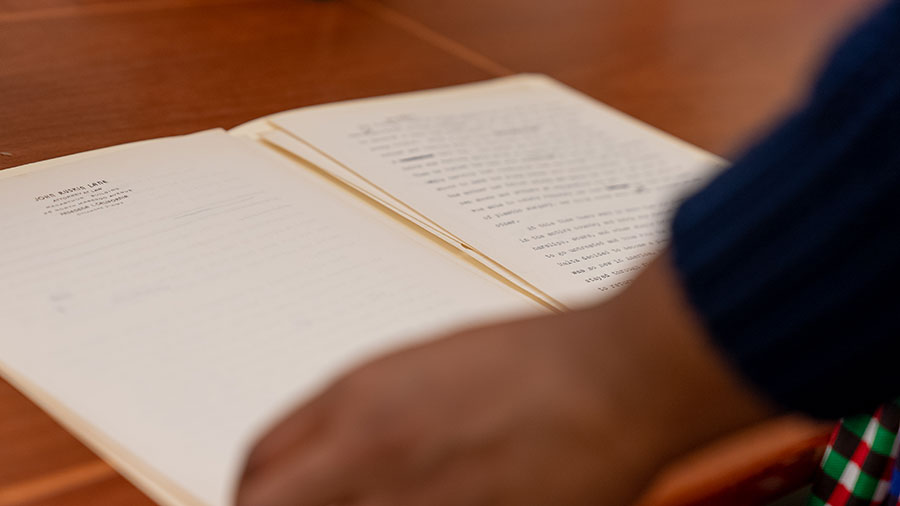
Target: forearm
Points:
(791, 255)
(650, 351)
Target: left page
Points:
(170, 299)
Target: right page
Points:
(570, 195)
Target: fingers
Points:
(462, 483)
(294, 461)
(317, 455)
(376, 434)
(458, 484)
(300, 425)
(313, 474)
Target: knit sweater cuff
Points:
(791, 258)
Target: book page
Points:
(569, 194)
(310, 159)
(178, 295)
(315, 160)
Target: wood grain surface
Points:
(76, 79)
(82, 74)
(711, 72)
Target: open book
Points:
(169, 299)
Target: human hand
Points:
(501, 415)
(573, 409)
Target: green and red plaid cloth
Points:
(860, 463)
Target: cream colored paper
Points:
(310, 159)
(169, 300)
(165, 300)
(566, 193)
(314, 158)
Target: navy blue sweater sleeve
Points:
(792, 256)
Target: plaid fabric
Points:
(860, 466)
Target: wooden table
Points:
(83, 74)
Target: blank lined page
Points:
(179, 294)
(569, 194)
